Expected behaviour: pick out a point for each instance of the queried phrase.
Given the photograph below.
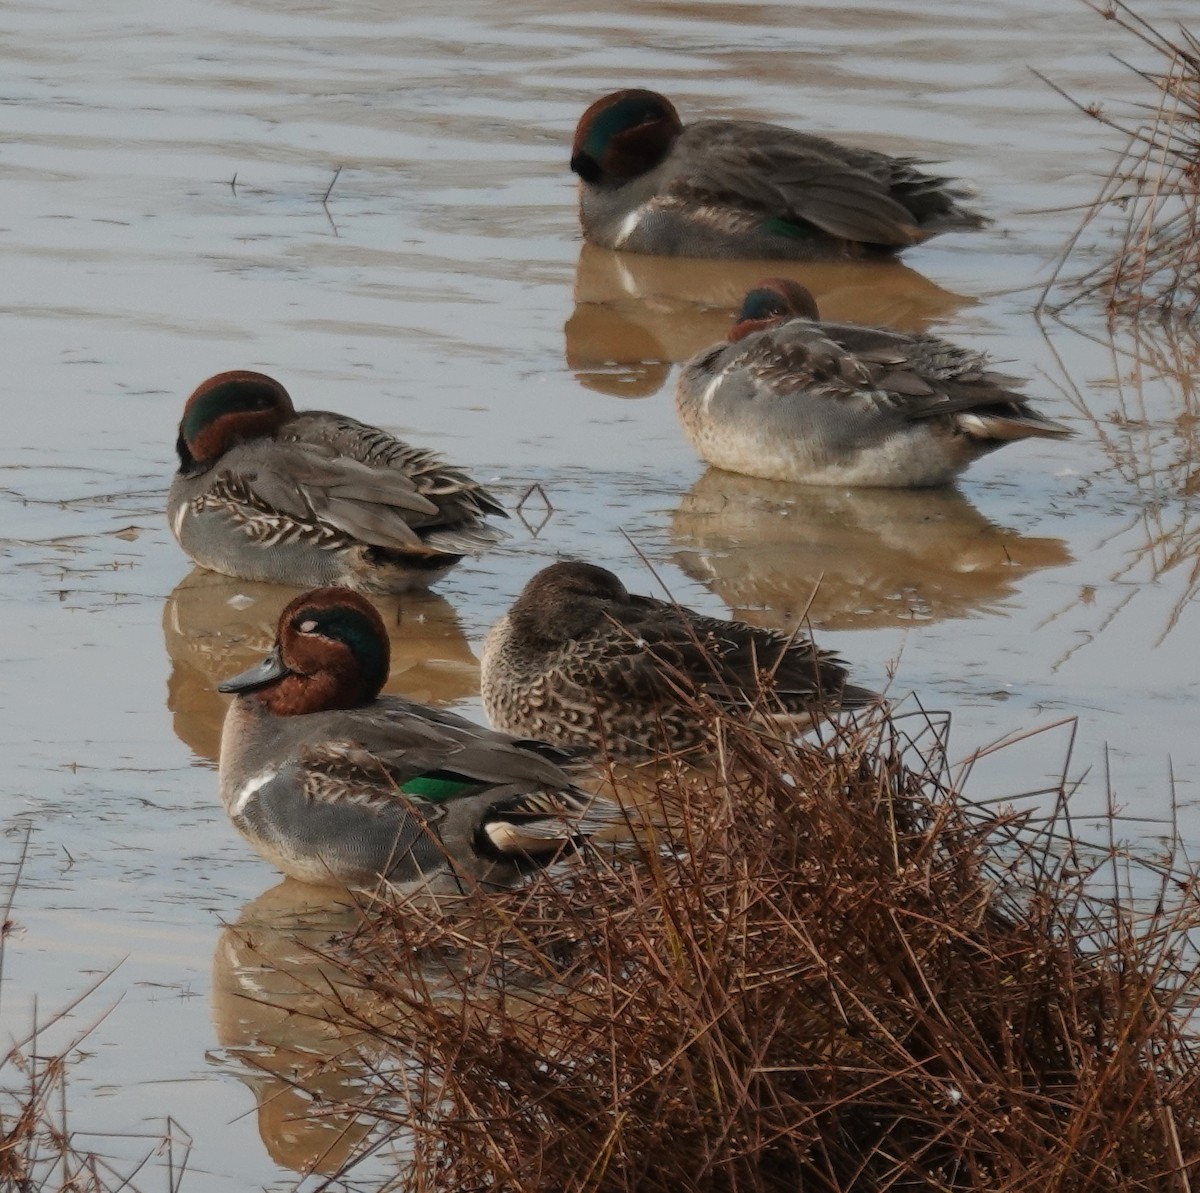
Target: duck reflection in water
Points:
(635, 315)
(274, 985)
(884, 557)
(215, 626)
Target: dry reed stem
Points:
(1147, 422)
(1152, 190)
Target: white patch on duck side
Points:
(710, 390)
(177, 525)
(509, 839)
(248, 790)
(628, 227)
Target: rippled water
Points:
(164, 172)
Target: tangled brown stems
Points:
(836, 974)
(1152, 191)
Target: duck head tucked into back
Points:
(623, 135)
(265, 492)
(773, 301)
(227, 409)
(333, 783)
(564, 601)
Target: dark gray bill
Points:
(258, 676)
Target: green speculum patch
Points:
(439, 787)
(223, 399)
(782, 227)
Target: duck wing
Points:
(522, 802)
(412, 741)
(350, 480)
(796, 671)
(913, 377)
(931, 377)
(665, 648)
(791, 176)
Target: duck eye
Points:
(307, 627)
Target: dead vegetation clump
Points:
(1152, 194)
(839, 976)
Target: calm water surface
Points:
(162, 173)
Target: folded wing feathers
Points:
(380, 768)
(923, 375)
(907, 383)
(345, 772)
(374, 524)
(735, 663)
(344, 478)
(412, 738)
(467, 539)
(375, 488)
(800, 351)
(839, 204)
(535, 822)
(857, 194)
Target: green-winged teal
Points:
(334, 784)
(581, 662)
(741, 188)
(790, 398)
(308, 498)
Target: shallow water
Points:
(163, 173)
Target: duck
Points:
(306, 498)
(744, 188)
(580, 661)
(335, 784)
(791, 398)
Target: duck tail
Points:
(468, 538)
(541, 823)
(1005, 425)
(954, 219)
(852, 696)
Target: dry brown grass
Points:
(1150, 199)
(841, 976)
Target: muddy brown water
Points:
(162, 171)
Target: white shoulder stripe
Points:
(248, 790)
(628, 227)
